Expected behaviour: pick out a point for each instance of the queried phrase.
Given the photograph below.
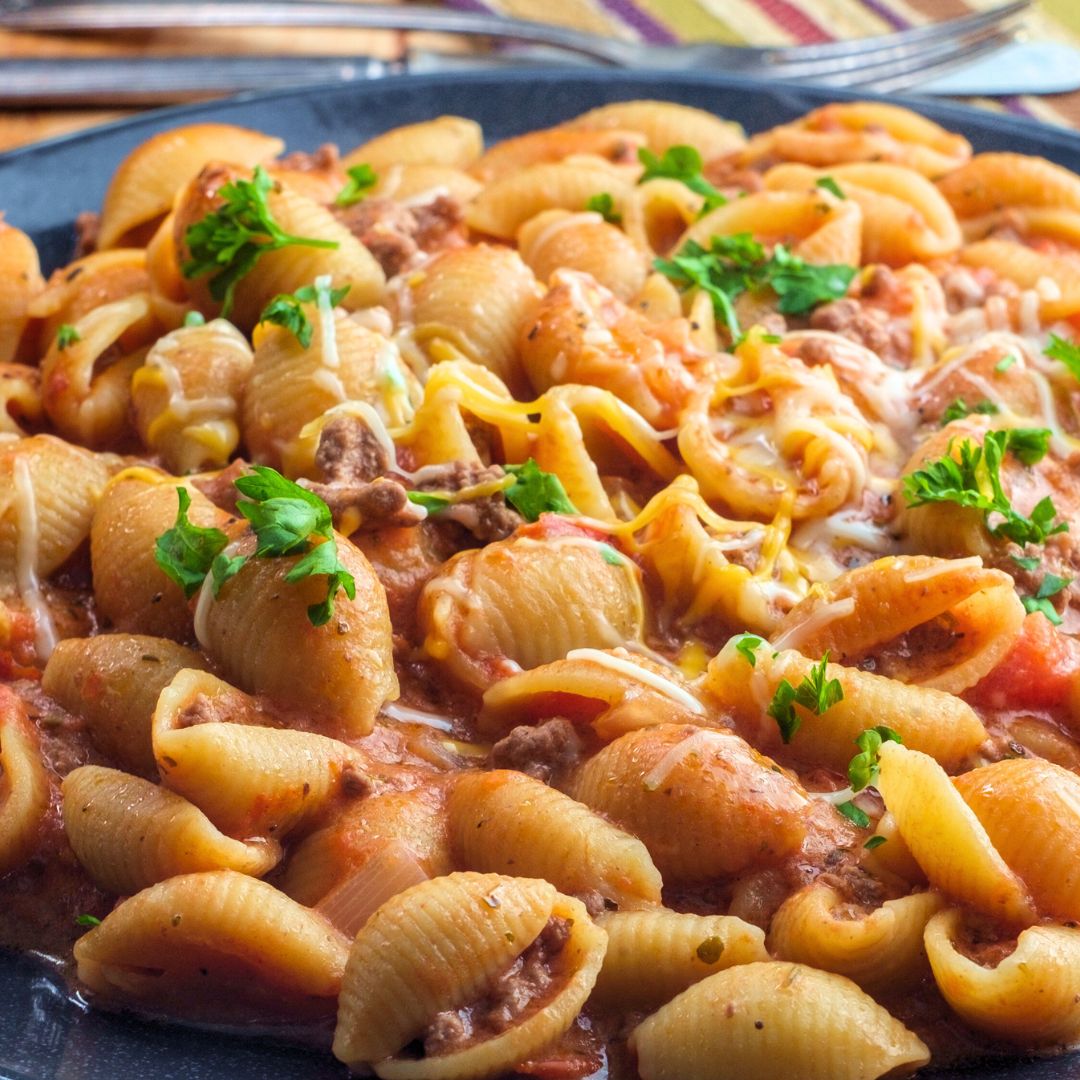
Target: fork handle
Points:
(66, 18)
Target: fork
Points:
(886, 63)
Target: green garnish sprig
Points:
(732, 265)
(816, 693)
(1049, 587)
(286, 520)
(362, 178)
(960, 408)
(1065, 351)
(682, 163)
(975, 481)
(286, 309)
(67, 335)
(229, 241)
(864, 768)
(604, 205)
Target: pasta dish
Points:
(602, 604)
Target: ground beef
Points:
(381, 502)
(324, 159)
(394, 233)
(350, 453)
(205, 709)
(487, 518)
(220, 488)
(856, 885)
(866, 325)
(87, 226)
(729, 173)
(528, 980)
(548, 750)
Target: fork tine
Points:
(824, 57)
(914, 69)
(860, 69)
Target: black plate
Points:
(43, 1034)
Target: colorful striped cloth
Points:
(796, 22)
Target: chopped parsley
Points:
(1066, 352)
(828, 184)
(875, 842)
(682, 163)
(535, 492)
(87, 920)
(865, 765)
(67, 335)
(611, 556)
(194, 318)
(1005, 363)
(816, 692)
(429, 500)
(975, 481)
(286, 309)
(854, 814)
(746, 645)
(960, 408)
(230, 240)
(735, 264)
(1026, 563)
(604, 205)
(362, 178)
(1050, 586)
(286, 519)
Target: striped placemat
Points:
(793, 22)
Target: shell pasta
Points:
(601, 604)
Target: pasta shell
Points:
(704, 802)
(146, 182)
(20, 398)
(478, 615)
(248, 780)
(341, 672)
(20, 282)
(447, 140)
(24, 784)
(991, 182)
(556, 144)
(654, 955)
(881, 950)
(769, 1019)
(215, 945)
(503, 821)
(129, 833)
(946, 837)
(1028, 997)
(112, 681)
(664, 124)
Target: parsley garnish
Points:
(431, 502)
(611, 556)
(975, 481)
(186, 552)
(854, 814)
(604, 205)
(960, 408)
(1066, 352)
(746, 645)
(875, 842)
(865, 765)
(229, 241)
(285, 309)
(87, 920)
(67, 335)
(361, 180)
(816, 693)
(831, 186)
(535, 492)
(194, 318)
(1005, 363)
(734, 264)
(682, 163)
(1050, 586)
(1026, 563)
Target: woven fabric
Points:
(795, 22)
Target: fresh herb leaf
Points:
(194, 318)
(854, 814)
(975, 481)
(736, 264)
(222, 568)
(1005, 363)
(1065, 351)
(875, 842)
(67, 335)
(611, 556)
(186, 552)
(960, 408)
(535, 492)
(1033, 604)
(286, 309)
(1025, 563)
(816, 693)
(746, 645)
(323, 559)
(1050, 586)
(771, 339)
(362, 179)
(87, 920)
(431, 502)
(229, 241)
(604, 205)
(682, 163)
(831, 186)
(864, 766)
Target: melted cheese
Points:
(695, 743)
(405, 714)
(26, 559)
(641, 675)
(824, 614)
